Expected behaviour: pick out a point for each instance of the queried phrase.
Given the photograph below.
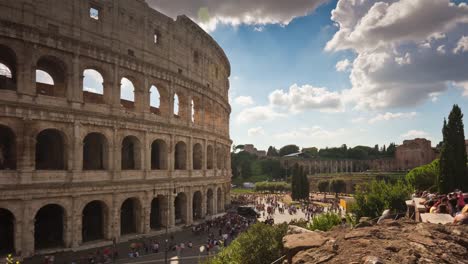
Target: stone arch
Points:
(94, 221)
(130, 216)
(127, 93)
(7, 232)
(51, 152)
(219, 158)
(93, 86)
(55, 69)
(209, 202)
(180, 156)
(219, 200)
(95, 152)
(159, 155)
(7, 148)
(197, 205)
(197, 156)
(131, 153)
(8, 69)
(196, 110)
(209, 157)
(49, 225)
(209, 113)
(158, 211)
(176, 105)
(180, 208)
(155, 100)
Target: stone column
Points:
(113, 87)
(146, 213)
(75, 156)
(146, 166)
(115, 218)
(77, 223)
(203, 205)
(171, 209)
(75, 81)
(189, 207)
(190, 157)
(68, 229)
(115, 166)
(27, 248)
(170, 158)
(26, 71)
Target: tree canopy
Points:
(288, 149)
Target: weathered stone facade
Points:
(81, 167)
(414, 153)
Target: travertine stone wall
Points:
(61, 38)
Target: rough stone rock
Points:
(292, 229)
(402, 242)
(297, 242)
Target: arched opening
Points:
(219, 158)
(197, 156)
(127, 93)
(209, 114)
(209, 202)
(180, 156)
(94, 221)
(176, 105)
(130, 153)
(155, 100)
(209, 157)
(48, 227)
(7, 149)
(192, 111)
(93, 86)
(219, 201)
(50, 150)
(129, 216)
(7, 232)
(7, 68)
(158, 208)
(95, 152)
(159, 155)
(51, 77)
(197, 206)
(180, 205)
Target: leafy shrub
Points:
(323, 186)
(272, 187)
(371, 199)
(324, 222)
(424, 177)
(260, 244)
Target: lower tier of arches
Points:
(29, 227)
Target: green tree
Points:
(272, 152)
(453, 155)
(288, 149)
(371, 199)
(337, 186)
(424, 177)
(313, 151)
(299, 183)
(323, 186)
(260, 244)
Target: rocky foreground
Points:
(403, 241)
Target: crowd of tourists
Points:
(453, 203)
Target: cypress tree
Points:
(295, 182)
(452, 174)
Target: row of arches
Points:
(51, 220)
(51, 80)
(51, 151)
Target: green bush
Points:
(424, 177)
(272, 187)
(260, 244)
(323, 186)
(324, 222)
(371, 199)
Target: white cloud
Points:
(343, 65)
(391, 116)
(400, 47)
(358, 120)
(259, 29)
(256, 114)
(306, 97)
(209, 13)
(462, 45)
(463, 86)
(127, 90)
(310, 133)
(412, 134)
(244, 100)
(44, 77)
(256, 131)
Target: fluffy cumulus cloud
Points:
(256, 131)
(244, 100)
(391, 116)
(343, 65)
(315, 132)
(306, 97)
(412, 134)
(258, 113)
(406, 50)
(209, 13)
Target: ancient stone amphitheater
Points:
(114, 122)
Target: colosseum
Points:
(114, 123)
